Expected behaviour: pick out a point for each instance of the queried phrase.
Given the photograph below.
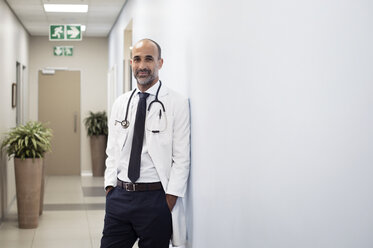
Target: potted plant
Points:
(97, 130)
(28, 145)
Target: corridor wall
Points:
(14, 47)
(281, 105)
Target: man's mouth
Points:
(143, 73)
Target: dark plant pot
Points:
(28, 185)
(98, 155)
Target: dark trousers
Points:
(132, 215)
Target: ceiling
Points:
(101, 15)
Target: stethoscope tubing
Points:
(126, 123)
(156, 98)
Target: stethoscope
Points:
(125, 123)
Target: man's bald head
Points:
(155, 43)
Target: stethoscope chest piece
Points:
(125, 124)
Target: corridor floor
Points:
(73, 216)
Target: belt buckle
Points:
(133, 187)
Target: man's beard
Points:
(145, 80)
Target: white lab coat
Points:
(169, 149)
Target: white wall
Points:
(14, 42)
(91, 58)
(281, 101)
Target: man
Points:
(148, 159)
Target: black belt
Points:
(139, 186)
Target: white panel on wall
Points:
(111, 88)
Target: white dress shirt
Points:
(148, 172)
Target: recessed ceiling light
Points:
(75, 8)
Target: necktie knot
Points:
(143, 95)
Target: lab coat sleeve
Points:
(177, 184)
(111, 150)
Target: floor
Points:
(73, 216)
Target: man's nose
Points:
(142, 65)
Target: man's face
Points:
(145, 62)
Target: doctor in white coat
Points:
(149, 206)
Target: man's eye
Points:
(149, 59)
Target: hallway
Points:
(280, 103)
(73, 216)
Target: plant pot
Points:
(98, 155)
(28, 174)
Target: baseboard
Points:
(86, 173)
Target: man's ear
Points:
(160, 63)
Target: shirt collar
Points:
(152, 90)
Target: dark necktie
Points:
(138, 138)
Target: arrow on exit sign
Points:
(58, 51)
(73, 32)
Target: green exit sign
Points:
(58, 32)
(63, 51)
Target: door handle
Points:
(75, 122)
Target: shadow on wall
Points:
(188, 203)
(189, 213)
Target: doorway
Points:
(59, 109)
(127, 69)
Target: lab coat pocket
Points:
(160, 130)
